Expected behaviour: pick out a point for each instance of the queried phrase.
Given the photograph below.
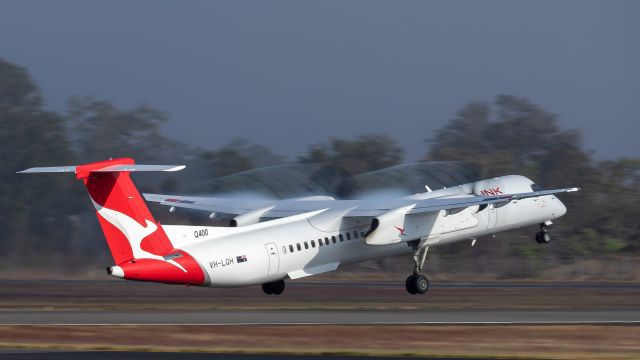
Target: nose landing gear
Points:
(543, 236)
(418, 283)
(273, 288)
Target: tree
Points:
(35, 212)
(17, 90)
(236, 156)
(365, 153)
(618, 205)
(100, 131)
(513, 135)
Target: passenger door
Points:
(274, 258)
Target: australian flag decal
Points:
(241, 258)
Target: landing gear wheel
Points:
(273, 288)
(421, 284)
(543, 237)
(410, 284)
(267, 289)
(417, 284)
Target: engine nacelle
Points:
(396, 225)
(510, 184)
(389, 228)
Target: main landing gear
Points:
(418, 283)
(543, 236)
(273, 288)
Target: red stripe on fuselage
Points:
(162, 271)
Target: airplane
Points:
(268, 241)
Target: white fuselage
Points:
(314, 242)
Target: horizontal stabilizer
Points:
(110, 168)
(49, 169)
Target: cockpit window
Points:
(535, 187)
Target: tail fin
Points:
(139, 245)
(130, 229)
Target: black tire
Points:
(278, 287)
(273, 288)
(267, 288)
(421, 284)
(410, 284)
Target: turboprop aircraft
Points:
(268, 242)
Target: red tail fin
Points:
(139, 245)
(128, 226)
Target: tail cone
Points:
(116, 271)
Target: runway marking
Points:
(585, 322)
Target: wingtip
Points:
(176, 168)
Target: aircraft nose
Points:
(558, 209)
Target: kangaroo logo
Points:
(400, 230)
(133, 231)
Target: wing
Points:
(245, 211)
(359, 208)
(438, 204)
(217, 205)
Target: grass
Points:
(487, 341)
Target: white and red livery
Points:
(267, 242)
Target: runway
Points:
(319, 317)
(128, 355)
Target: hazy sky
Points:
(288, 74)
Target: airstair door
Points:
(274, 258)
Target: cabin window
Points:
(333, 239)
(313, 243)
(341, 237)
(362, 233)
(290, 248)
(306, 245)
(355, 234)
(298, 246)
(348, 236)
(284, 249)
(326, 241)
(319, 242)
